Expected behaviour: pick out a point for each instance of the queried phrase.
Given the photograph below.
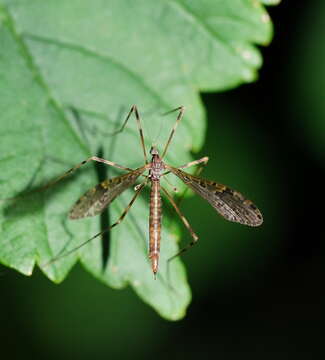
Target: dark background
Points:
(256, 292)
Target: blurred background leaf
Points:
(68, 79)
(308, 80)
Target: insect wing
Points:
(95, 200)
(229, 203)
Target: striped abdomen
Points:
(154, 225)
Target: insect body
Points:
(229, 203)
(157, 168)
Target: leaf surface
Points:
(98, 58)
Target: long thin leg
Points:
(70, 171)
(67, 173)
(196, 173)
(187, 225)
(181, 110)
(185, 222)
(204, 160)
(137, 116)
(119, 220)
(171, 186)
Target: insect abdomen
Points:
(155, 225)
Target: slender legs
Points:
(70, 171)
(171, 186)
(134, 109)
(137, 116)
(187, 225)
(181, 110)
(203, 160)
(183, 218)
(119, 220)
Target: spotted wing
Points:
(95, 200)
(229, 203)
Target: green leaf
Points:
(270, 2)
(100, 58)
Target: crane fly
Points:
(229, 203)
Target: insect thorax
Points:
(157, 167)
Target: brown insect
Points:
(229, 203)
